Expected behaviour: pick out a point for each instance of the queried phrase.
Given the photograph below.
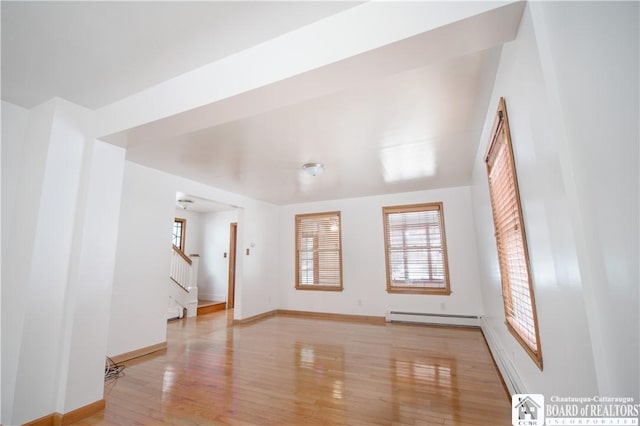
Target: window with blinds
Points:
(318, 252)
(513, 256)
(416, 249)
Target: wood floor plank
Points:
(291, 370)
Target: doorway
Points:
(233, 232)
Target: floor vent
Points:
(437, 319)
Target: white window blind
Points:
(318, 251)
(513, 257)
(415, 249)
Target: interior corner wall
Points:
(41, 284)
(363, 258)
(570, 83)
(140, 299)
(214, 265)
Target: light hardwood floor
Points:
(294, 371)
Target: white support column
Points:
(57, 277)
(90, 286)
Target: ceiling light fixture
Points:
(184, 203)
(313, 169)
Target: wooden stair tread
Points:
(209, 306)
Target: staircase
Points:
(183, 286)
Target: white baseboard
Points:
(506, 367)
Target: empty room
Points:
(315, 212)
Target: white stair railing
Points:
(183, 271)
(180, 271)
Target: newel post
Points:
(192, 302)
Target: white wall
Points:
(14, 127)
(214, 267)
(195, 230)
(139, 299)
(48, 273)
(45, 285)
(257, 291)
(593, 52)
(567, 134)
(139, 302)
(364, 275)
(16, 262)
(89, 290)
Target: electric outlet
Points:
(443, 306)
(359, 302)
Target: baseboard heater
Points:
(434, 319)
(508, 371)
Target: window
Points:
(318, 252)
(513, 256)
(415, 249)
(179, 231)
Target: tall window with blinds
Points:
(318, 252)
(416, 249)
(513, 256)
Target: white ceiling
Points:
(415, 130)
(93, 53)
(414, 126)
